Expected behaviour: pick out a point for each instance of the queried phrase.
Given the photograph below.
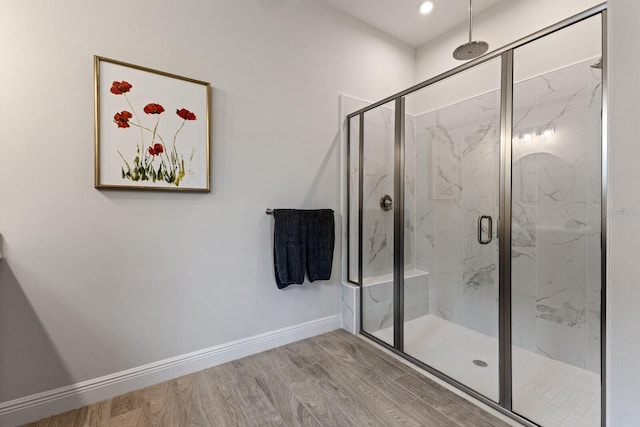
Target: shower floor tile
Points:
(546, 391)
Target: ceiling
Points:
(401, 19)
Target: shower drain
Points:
(480, 363)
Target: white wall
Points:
(94, 282)
(624, 214)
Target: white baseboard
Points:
(36, 406)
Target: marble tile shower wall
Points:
(457, 180)
(556, 216)
(378, 181)
(378, 224)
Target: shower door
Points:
(556, 227)
(480, 224)
(376, 140)
(452, 155)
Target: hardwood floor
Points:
(334, 379)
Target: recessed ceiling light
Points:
(426, 7)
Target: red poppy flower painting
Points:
(156, 149)
(171, 167)
(138, 146)
(185, 114)
(122, 119)
(153, 109)
(119, 88)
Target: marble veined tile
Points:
(350, 307)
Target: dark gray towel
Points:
(320, 243)
(303, 240)
(289, 247)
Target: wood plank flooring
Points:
(334, 379)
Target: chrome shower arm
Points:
(470, 20)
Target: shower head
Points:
(472, 49)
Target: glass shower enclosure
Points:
(476, 227)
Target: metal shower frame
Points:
(504, 224)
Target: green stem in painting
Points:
(137, 118)
(125, 162)
(176, 135)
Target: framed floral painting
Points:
(151, 129)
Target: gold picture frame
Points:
(152, 129)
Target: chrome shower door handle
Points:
(489, 229)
